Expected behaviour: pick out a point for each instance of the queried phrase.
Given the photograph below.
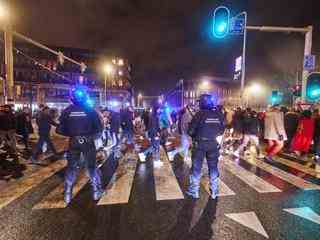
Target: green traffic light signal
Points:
(313, 87)
(221, 22)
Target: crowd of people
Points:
(292, 131)
(108, 129)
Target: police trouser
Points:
(154, 147)
(86, 147)
(210, 151)
(115, 144)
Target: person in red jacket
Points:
(302, 140)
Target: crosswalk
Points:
(166, 185)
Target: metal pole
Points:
(9, 63)
(45, 48)
(182, 93)
(243, 76)
(105, 89)
(307, 51)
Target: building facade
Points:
(225, 91)
(35, 85)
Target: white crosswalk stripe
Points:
(285, 176)
(166, 184)
(119, 189)
(248, 177)
(17, 189)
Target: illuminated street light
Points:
(120, 73)
(4, 12)
(108, 69)
(120, 62)
(256, 89)
(139, 99)
(204, 85)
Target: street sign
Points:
(238, 66)
(237, 26)
(309, 63)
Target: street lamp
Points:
(204, 85)
(256, 89)
(120, 62)
(139, 99)
(108, 70)
(4, 12)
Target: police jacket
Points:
(115, 122)
(206, 125)
(79, 121)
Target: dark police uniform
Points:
(81, 124)
(205, 126)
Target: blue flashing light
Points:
(114, 103)
(90, 102)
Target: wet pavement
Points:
(259, 200)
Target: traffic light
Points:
(221, 22)
(313, 87)
(276, 97)
(296, 90)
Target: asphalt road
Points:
(259, 200)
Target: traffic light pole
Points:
(9, 83)
(307, 49)
(243, 67)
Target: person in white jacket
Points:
(274, 131)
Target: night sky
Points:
(171, 39)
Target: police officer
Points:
(204, 128)
(82, 124)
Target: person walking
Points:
(303, 137)
(274, 131)
(44, 122)
(8, 126)
(185, 140)
(291, 121)
(24, 126)
(251, 132)
(153, 132)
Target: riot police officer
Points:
(204, 128)
(82, 124)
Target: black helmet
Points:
(79, 96)
(206, 101)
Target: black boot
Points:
(67, 193)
